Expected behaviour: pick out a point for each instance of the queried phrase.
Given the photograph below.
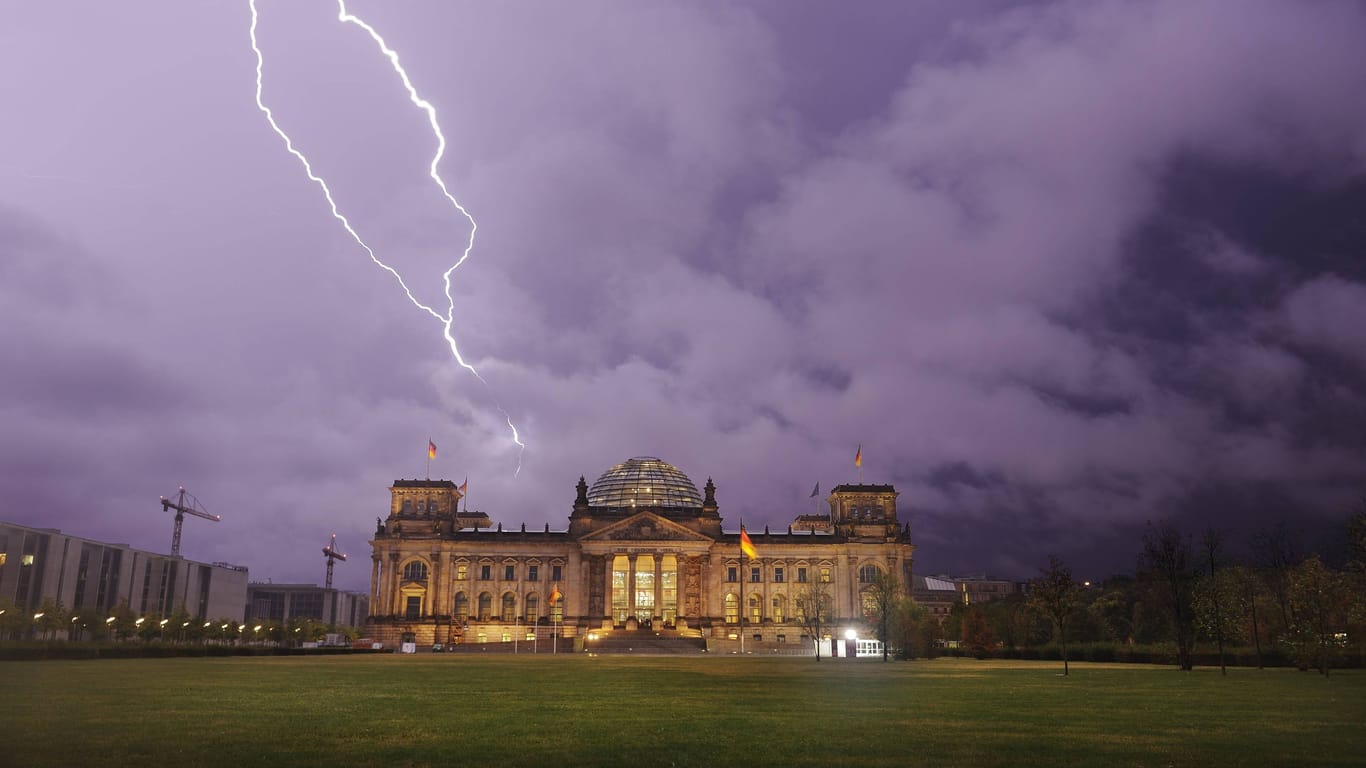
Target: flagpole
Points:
(741, 618)
(429, 457)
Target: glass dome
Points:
(644, 482)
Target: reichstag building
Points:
(644, 550)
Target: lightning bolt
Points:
(448, 318)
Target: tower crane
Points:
(332, 555)
(181, 508)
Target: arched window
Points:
(732, 609)
(509, 607)
(756, 609)
(415, 571)
(869, 599)
(779, 612)
(485, 606)
(462, 606)
(557, 607)
(868, 574)
(533, 607)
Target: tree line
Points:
(1188, 593)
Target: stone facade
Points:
(642, 548)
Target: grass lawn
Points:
(578, 710)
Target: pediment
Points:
(645, 526)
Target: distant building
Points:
(283, 602)
(644, 548)
(44, 564)
(940, 593)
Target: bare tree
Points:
(883, 597)
(1058, 596)
(1211, 542)
(1167, 566)
(813, 606)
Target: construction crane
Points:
(181, 507)
(330, 551)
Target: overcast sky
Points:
(1060, 268)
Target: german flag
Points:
(747, 546)
(555, 595)
(431, 450)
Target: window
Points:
(509, 608)
(732, 609)
(509, 573)
(415, 571)
(462, 572)
(414, 607)
(462, 606)
(868, 574)
(533, 608)
(533, 572)
(779, 611)
(485, 572)
(825, 575)
(756, 608)
(556, 572)
(778, 574)
(756, 575)
(732, 573)
(485, 606)
(801, 575)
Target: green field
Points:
(580, 710)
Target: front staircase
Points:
(646, 641)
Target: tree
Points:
(813, 607)
(1214, 595)
(907, 627)
(1320, 597)
(882, 597)
(976, 633)
(1058, 596)
(1276, 552)
(1166, 566)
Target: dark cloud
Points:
(1061, 267)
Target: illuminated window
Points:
(732, 609)
(533, 607)
(26, 560)
(462, 572)
(825, 575)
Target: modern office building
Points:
(286, 602)
(44, 565)
(642, 548)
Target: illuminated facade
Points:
(45, 566)
(643, 548)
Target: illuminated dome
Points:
(644, 482)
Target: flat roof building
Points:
(44, 565)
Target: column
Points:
(391, 594)
(374, 585)
(434, 586)
(630, 586)
(659, 587)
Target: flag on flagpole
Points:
(816, 491)
(555, 595)
(431, 449)
(465, 486)
(747, 546)
(858, 456)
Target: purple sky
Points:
(1060, 268)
